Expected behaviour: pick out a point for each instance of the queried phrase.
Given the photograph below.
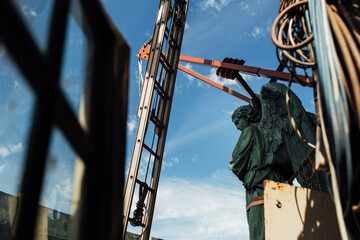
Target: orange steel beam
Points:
(215, 84)
(255, 71)
(144, 53)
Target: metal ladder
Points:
(154, 112)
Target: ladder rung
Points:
(156, 120)
(160, 90)
(165, 66)
(151, 151)
(142, 183)
(165, 60)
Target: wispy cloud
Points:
(212, 76)
(192, 134)
(214, 4)
(191, 79)
(10, 149)
(188, 76)
(186, 26)
(229, 113)
(4, 152)
(131, 124)
(243, 5)
(147, 34)
(167, 163)
(269, 24)
(2, 167)
(60, 196)
(226, 82)
(27, 11)
(195, 158)
(249, 78)
(209, 208)
(66, 188)
(257, 32)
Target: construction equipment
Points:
(154, 111)
(155, 103)
(163, 55)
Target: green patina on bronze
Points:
(268, 148)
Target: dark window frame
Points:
(102, 145)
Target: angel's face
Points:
(241, 123)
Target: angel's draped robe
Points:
(248, 165)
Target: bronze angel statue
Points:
(269, 149)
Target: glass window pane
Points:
(16, 109)
(56, 196)
(73, 65)
(37, 16)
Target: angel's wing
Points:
(282, 147)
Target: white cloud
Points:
(195, 158)
(131, 124)
(191, 79)
(192, 134)
(4, 152)
(65, 187)
(186, 26)
(60, 196)
(215, 4)
(178, 87)
(210, 208)
(228, 112)
(33, 13)
(188, 76)
(16, 84)
(226, 82)
(169, 163)
(249, 78)
(10, 149)
(15, 148)
(144, 164)
(257, 32)
(2, 167)
(250, 8)
(243, 5)
(148, 34)
(27, 11)
(269, 24)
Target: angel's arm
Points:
(241, 154)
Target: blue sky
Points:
(198, 196)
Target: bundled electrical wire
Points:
(329, 32)
(292, 37)
(337, 44)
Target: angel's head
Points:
(243, 116)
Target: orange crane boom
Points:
(249, 70)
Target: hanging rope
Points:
(141, 79)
